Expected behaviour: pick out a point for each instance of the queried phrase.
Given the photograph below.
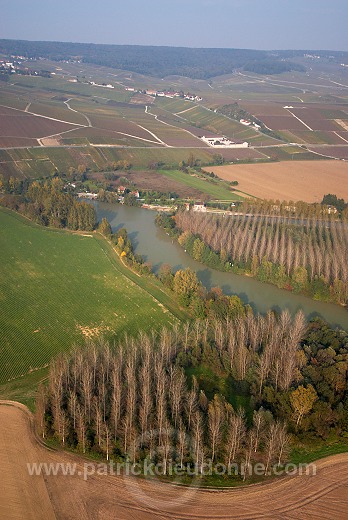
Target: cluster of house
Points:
(123, 190)
(166, 93)
(224, 142)
(9, 65)
(311, 56)
(200, 207)
(104, 85)
(246, 122)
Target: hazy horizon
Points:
(230, 24)
(177, 46)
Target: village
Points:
(166, 93)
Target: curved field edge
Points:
(300, 496)
(59, 287)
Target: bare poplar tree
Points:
(81, 429)
(216, 417)
(236, 430)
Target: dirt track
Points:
(110, 497)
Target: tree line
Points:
(46, 203)
(136, 401)
(304, 254)
(154, 61)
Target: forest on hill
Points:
(158, 61)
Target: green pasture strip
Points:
(217, 191)
(318, 450)
(150, 285)
(23, 389)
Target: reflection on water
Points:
(157, 247)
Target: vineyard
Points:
(58, 288)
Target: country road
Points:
(39, 497)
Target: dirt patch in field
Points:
(93, 332)
(141, 99)
(343, 124)
(300, 180)
(49, 141)
(320, 495)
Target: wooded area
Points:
(155, 60)
(46, 203)
(301, 253)
(136, 401)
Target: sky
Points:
(248, 24)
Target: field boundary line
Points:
(45, 117)
(309, 128)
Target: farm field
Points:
(300, 180)
(58, 288)
(340, 152)
(70, 496)
(53, 124)
(154, 181)
(313, 123)
(214, 190)
(42, 161)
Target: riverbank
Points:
(61, 287)
(157, 247)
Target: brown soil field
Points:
(119, 124)
(239, 154)
(20, 124)
(265, 109)
(318, 117)
(282, 122)
(340, 152)
(290, 180)
(344, 134)
(17, 142)
(315, 120)
(323, 495)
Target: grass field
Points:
(58, 288)
(216, 190)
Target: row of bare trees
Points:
(297, 209)
(134, 400)
(319, 246)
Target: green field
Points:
(57, 287)
(217, 190)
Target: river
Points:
(157, 247)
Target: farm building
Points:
(199, 207)
(223, 142)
